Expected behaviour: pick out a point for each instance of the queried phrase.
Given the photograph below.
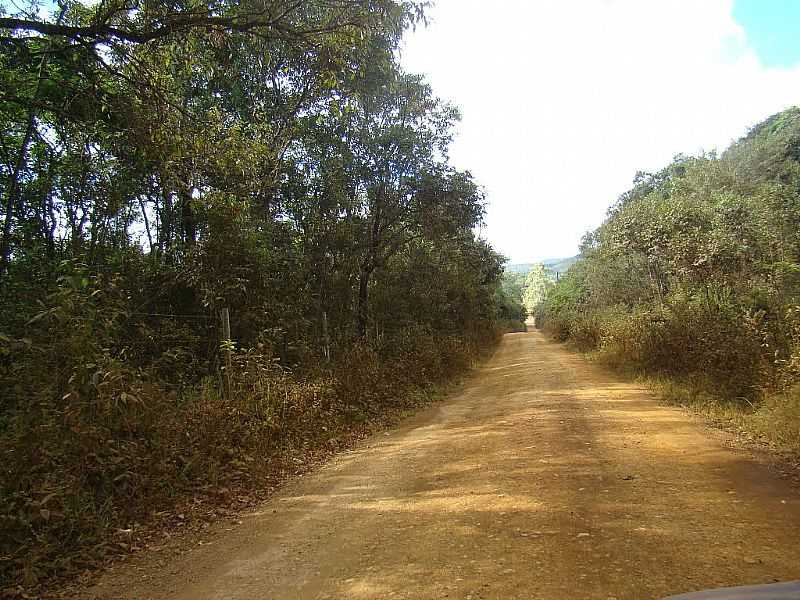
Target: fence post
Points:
(225, 317)
(326, 340)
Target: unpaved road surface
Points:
(543, 478)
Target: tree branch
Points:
(173, 24)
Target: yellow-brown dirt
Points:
(544, 477)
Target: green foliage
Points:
(99, 446)
(513, 284)
(163, 162)
(694, 273)
(537, 282)
(508, 300)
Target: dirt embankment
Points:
(543, 478)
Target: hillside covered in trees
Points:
(695, 277)
(553, 265)
(526, 284)
(164, 163)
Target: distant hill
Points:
(556, 265)
(522, 268)
(560, 265)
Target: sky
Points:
(563, 101)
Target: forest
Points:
(163, 164)
(693, 280)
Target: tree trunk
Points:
(363, 301)
(655, 283)
(12, 197)
(143, 208)
(188, 219)
(369, 265)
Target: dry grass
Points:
(773, 421)
(120, 450)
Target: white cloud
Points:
(564, 100)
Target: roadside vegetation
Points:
(509, 300)
(527, 284)
(694, 281)
(164, 164)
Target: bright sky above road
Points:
(564, 100)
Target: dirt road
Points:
(543, 478)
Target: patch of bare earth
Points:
(543, 478)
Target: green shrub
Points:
(100, 446)
(514, 326)
(722, 346)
